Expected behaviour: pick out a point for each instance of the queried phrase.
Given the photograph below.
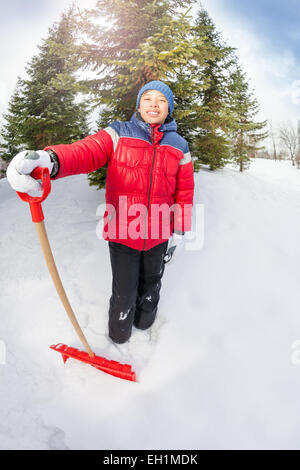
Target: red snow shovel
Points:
(123, 371)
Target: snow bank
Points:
(215, 372)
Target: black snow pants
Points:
(135, 288)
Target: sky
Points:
(267, 37)
(265, 33)
(23, 25)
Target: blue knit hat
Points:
(159, 86)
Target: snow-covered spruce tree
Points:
(245, 133)
(212, 115)
(11, 130)
(43, 109)
(143, 40)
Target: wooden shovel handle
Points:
(42, 234)
(35, 204)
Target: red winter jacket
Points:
(150, 179)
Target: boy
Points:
(149, 171)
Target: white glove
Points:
(175, 247)
(22, 165)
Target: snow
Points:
(216, 369)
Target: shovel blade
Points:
(122, 371)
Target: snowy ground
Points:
(217, 371)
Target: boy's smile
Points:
(154, 107)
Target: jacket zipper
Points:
(149, 187)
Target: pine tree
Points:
(43, 109)
(14, 120)
(245, 133)
(149, 40)
(210, 145)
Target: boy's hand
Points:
(175, 247)
(19, 169)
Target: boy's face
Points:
(153, 107)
